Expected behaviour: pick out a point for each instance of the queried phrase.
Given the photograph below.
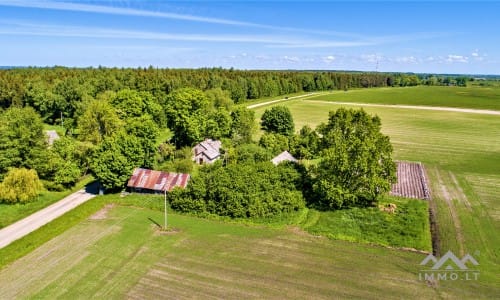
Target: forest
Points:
(114, 120)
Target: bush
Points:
(20, 186)
(246, 190)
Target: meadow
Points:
(120, 253)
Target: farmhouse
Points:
(283, 156)
(207, 151)
(145, 180)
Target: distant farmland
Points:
(471, 97)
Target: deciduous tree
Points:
(356, 165)
(278, 119)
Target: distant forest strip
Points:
(58, 92)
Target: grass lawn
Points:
(121, 254)
(465, 97)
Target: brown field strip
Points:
(412, 181)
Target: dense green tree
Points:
(99, 120)
(115, 159)
(278, 119)
(146, 130)
(218, 124)
(22, 139)
(274, 142)
(20, 186)
(219, 98)
(356, 165)
(186, 111)
(243, 125)
(305, 145)
(250, 153)
(132, 104)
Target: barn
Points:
(151, 181)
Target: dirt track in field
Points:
(435, 108)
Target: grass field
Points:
(121, 254)
(408, 227)
(461, 152)
(463, 97)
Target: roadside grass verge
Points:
(11, 213)
(407, 227)
(35, 239)
(445, 96)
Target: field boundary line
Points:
(280, 100)
(422, 107)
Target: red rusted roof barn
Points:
(156, 180)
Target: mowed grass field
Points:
(461, 152)
(121, 254)
(462, 97)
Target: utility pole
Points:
(165, 228)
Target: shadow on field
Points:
(154, 222)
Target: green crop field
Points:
(463, 97)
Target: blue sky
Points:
(437, 37)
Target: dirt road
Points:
(279, 100)
(439, 108)
(31, 223)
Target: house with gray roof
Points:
(207, 151)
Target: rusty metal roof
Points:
(157, 180)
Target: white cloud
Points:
(452, 58)
(407, 60)
(19, 28)
(329, 59)
(371, 58)
(68, 6)
(293, 59)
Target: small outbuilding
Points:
(207, 151)
(151, 181)
(283, 156)
(51, 136)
